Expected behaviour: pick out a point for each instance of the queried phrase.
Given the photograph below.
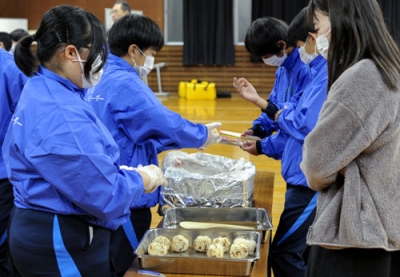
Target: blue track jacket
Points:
(12, 81)
(296, 122)
(61, 158)
(138, 121)
(290, 80)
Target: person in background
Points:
(294, 120)
(5, 41)
(138, 121)
(120, 9)
(70, 189)
(351, 157)
(12, 81)
(16, 35)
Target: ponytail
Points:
(59, 27)
(24, 58)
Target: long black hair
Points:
(134, 29)
(358, 31)
(61, 26)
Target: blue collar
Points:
(292, 59)
(112, 59)
(318, 62)
(65, 82)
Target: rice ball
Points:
(238, 251)
(215, 250)
(251, 244)
(224, 241)
(179, 244)
(201, 243)
(156, 248)
(163, 240)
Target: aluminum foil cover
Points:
(205, 180)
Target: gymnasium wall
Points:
(260, 75)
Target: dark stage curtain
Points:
(208, 32)
(285, 10)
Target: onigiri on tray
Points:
(230, 252)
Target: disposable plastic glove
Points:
(213, 134)
(126, 167)
(155, 177)
(152, 176)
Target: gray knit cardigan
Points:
(358, 130)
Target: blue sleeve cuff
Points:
(259, 131)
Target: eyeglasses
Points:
(115, 11)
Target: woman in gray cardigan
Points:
(352, 156)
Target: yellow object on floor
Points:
(197, 90)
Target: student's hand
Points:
(152, 177)
(213, 134)
(250, 147)
(245, 89)
(249, 93)
(248, 132)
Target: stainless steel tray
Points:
(251, 217)
(192, 262)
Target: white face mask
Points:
(146, 68)
(323, 44)
(275, 60)
(94, 77)
(304, 56)
(12, 48)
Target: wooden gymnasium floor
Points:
(236, 115)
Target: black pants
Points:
(288, 253)
(6, 205)
(45, 244)
(121, 251)
(353, 262)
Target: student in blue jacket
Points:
(293, 119)
(12, 81)
(268, 38)
(138, 121)
(69, 189)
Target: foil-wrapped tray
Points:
(205, 180)
(192, 262)
(256, 218)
